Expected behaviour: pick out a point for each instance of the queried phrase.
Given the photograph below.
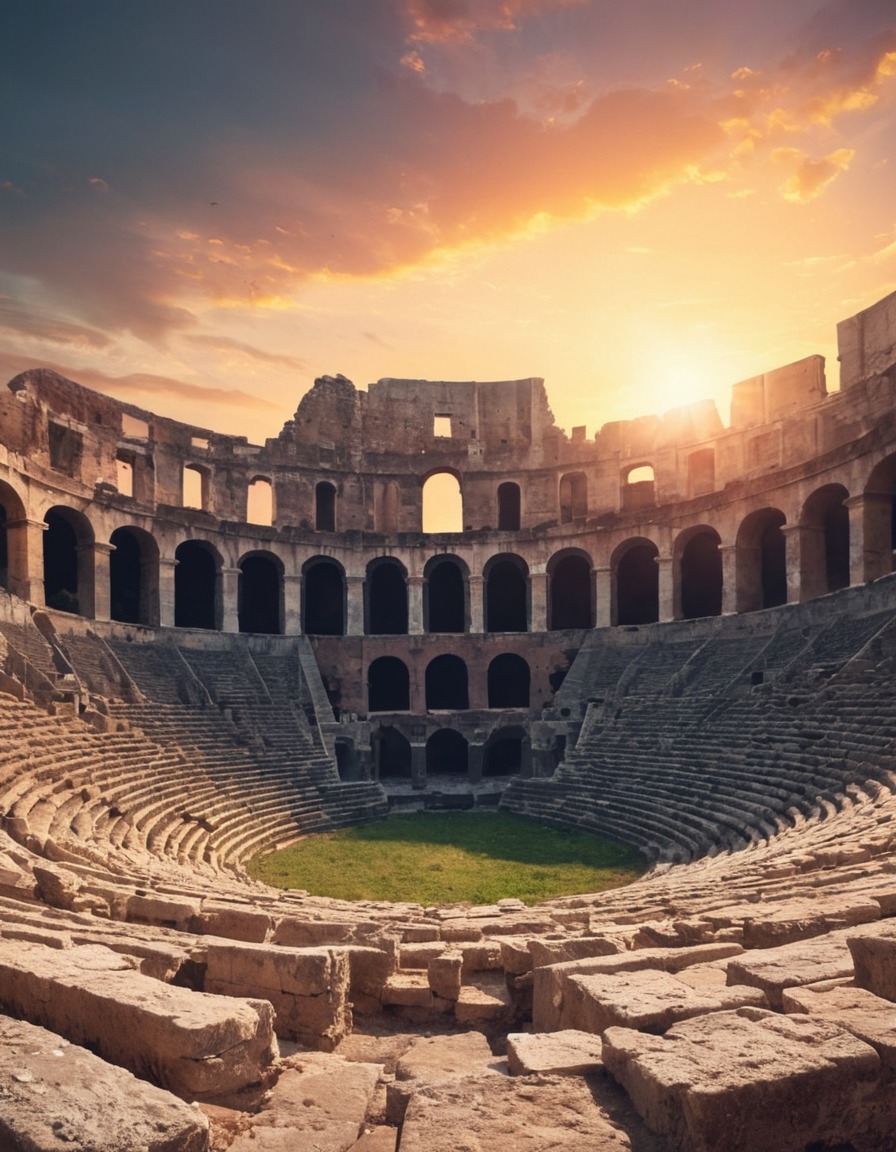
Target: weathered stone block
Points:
(308, 987)
(445, 974)
(566, 1053)
(743, 1079)
(58, 1095)
(195, 1044)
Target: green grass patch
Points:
(447, 857)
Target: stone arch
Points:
(508, 681)
(505, 752)
(573, 496)
(447, 754)
(68, 561)
(14, 572)
(388, 685)
(392, 755)
(325, 506)
(197, 586)
(824, 542)
(570, 597)
(879, 520)
(446, 684)
(446, 594)
(323, 597)
(698, 573)
(386, 598)
(636, 586)
(134, 577)
(260, 501)
(442, 502)
(260, 596)
(508, 506)
(761, 561)
(506, 594)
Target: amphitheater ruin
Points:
(676, 633)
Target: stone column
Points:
(230, 583)
(728, 552)
(102, 590)
(292, 605)
(354, 616)
(666, 589)
(538, 599)
(166, 592)
(415, 605)
(418, 765)
(476, 585)
(870, 536)
(474, 762)
(603, 597)
(25, 559)
(793, 544)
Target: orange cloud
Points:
(441, 21)
(810, 177)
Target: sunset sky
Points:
(205, 204)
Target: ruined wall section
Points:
(377, 447)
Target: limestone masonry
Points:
(678, 634)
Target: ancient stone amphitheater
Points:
(679, 634)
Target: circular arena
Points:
(425, 595)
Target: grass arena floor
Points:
(448, 857)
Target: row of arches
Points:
(448, 753)
(447, 684)
(702, 578)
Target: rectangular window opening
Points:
(441, 425)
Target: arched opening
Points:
(385, 598)
(195, 487)
(761, 561)
(260, 599)
(323, 601)
(260, 501)
(637, 583)
(446, 684)
(325, 507)
(134, 577)
(388, 685)
(508, 681)
(569, 599)
(443, 506)
(506, 594)
(508, 507)
(638, 488)
(13, 542)
(197, 593)
(392, 754)
(879, 520)
(700, 573)
(68, 562)
(824, 542)
(503, 753)
(444, 595)
(573, 496)
(447, 754)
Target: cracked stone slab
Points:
(56, 1095)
